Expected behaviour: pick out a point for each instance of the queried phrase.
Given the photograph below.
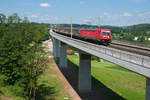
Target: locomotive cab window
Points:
(106, 32)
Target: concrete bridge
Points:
(136, 63)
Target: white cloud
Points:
(82, 2)
(147, 14)
(88, 20)
(33, 16)
(106, 14)
(127, 14)
(144, 14)
(45, 5)
(55, 18)
(45, 18)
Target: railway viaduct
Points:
(134, 62)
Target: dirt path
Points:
(5, 98)
(66, 84)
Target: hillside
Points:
(139, 29)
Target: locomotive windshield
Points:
(106, 32)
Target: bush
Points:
(95, 58)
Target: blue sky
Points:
(109, 12)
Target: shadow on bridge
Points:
(99, 90)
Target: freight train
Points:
(99, 36)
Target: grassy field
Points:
(124, 83)
(49, 87)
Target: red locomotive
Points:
(100, 36)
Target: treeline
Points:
(141, 31)
(22, 57)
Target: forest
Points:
(21, 60)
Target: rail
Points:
(131, 48)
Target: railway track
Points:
(131, 48)
(144, 51)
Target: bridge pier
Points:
(147, 88)
(54, 46)
(63, 55)
(56, 52)
(84, 73)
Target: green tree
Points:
(22, 57)
(2, 18)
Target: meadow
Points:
(128, 85)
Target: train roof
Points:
(94, 29)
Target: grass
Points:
(49, 87)
(9, 92)
(125, 83)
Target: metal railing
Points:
(122, 55)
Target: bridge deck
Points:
(136, 63)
